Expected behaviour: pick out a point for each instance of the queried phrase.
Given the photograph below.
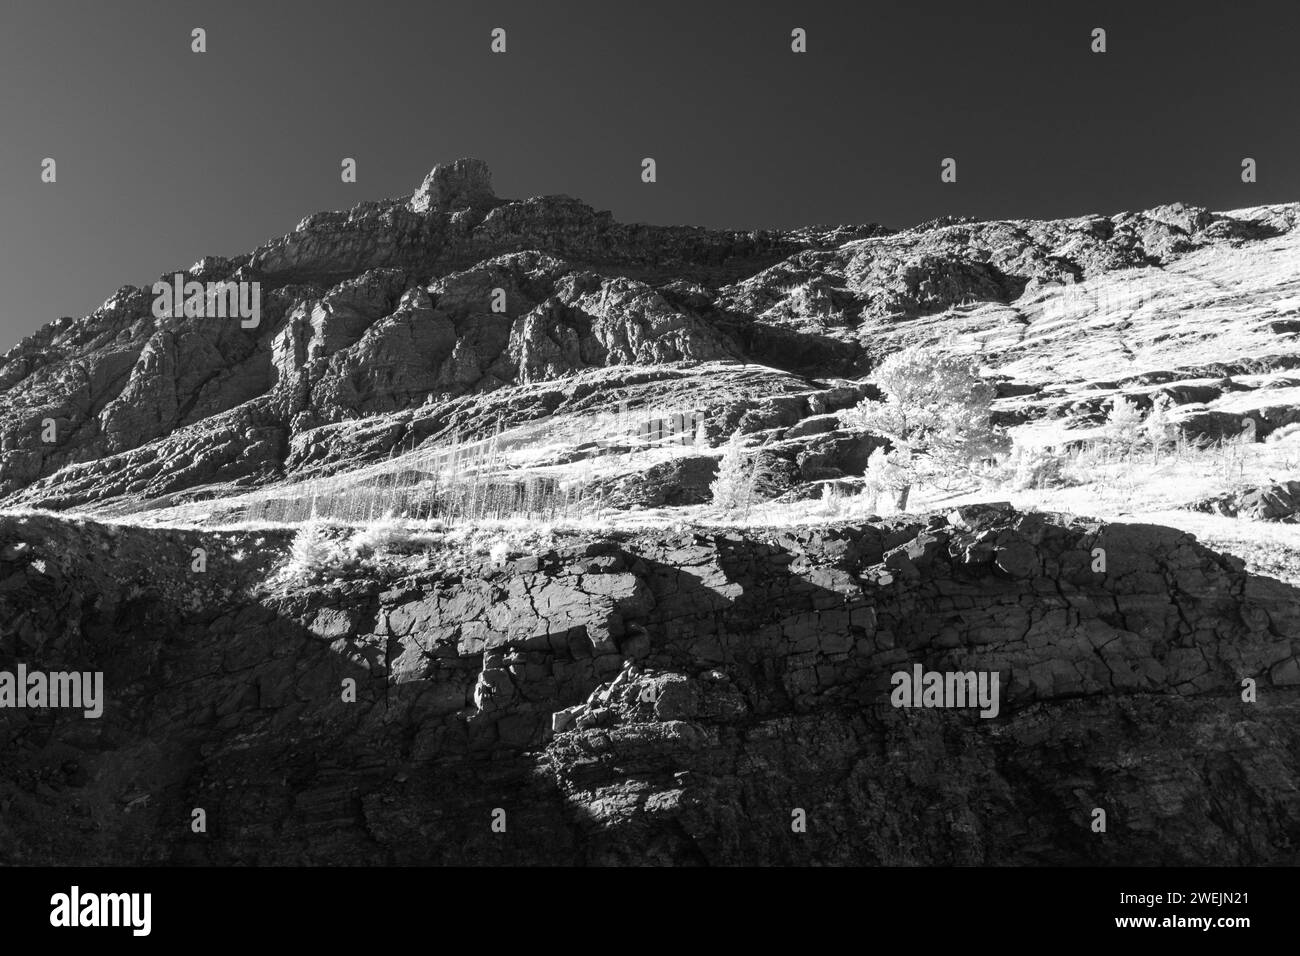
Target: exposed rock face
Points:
(464, 184)
(1276, 502)
(629, 699)
(400, 308)
(682, 481)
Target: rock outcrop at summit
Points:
(663, 699)
(389, 313)
(465, 184)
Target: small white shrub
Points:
(832, 502)
(382, 534)
(1038, 468)
(313, 553)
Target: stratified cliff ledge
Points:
(705, 686)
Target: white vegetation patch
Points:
(742, 475)
(832, 500)
(323, 550)
(547, 471)
(315, 553)
(392, 534)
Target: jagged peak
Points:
(463, 184)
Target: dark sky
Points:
(165, 155)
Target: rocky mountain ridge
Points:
(381, 319)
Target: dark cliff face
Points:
(666, 699)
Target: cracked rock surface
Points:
(663, 699)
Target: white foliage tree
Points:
(1124, 423)
(728, 488)
(312, 553)
(741, 475)
(936, 413)
(1158, 426)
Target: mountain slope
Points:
(385, 314)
